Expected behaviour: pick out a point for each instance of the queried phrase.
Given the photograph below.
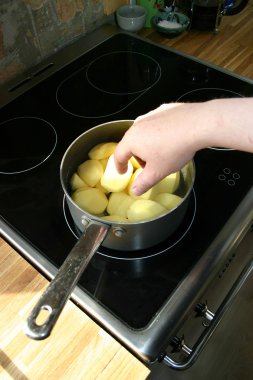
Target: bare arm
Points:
(165, 139)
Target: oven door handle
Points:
(207, 333)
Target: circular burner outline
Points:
(144, 257)
(96, 116)
(49, 154)
(213, 88)
(129, 92)
(128, 104)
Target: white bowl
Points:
(131, 17)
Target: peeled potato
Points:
(102, 151)
(169, 201)
(104, 162)
(90, 172)
(100, 190)
(82, 188)
(168, 184)
(76, 182)
(91, 200)
(118, 204)
(100, 187)
(135, 163)
(132, 179)
(112, 180)
(114, 218)
(144, 209)
(188, 173)
(146, 195)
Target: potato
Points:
(76, 182)
(169, 201)
(91, 200)
(168, 184)
(146, 195)
(100, 187)
(82, 188)
(102, 151)
(97, 177)
(188, 174)
(112, 180)
(118, 204)
(104, 162)
(90, 172)
(144, 209)
(135, 163)
(114, 218)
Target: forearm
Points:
(165, 139)
(227, 123)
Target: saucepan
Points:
(95, 231)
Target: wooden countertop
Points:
(79, 348)
(231, 48)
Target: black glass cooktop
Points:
(119, 79)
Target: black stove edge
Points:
(150, 343)
(70, 53)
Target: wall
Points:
(31, 30)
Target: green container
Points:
(152, 6)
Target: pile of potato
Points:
(99, 189)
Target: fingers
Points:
(121, 156)
(141, 184)
(147, 179)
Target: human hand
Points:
(161, 141)
(165, 139)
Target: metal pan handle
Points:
(59, 290)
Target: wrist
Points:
(205, 124)
(210, 125)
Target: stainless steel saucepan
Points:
(96, 231)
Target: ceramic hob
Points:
(120, 77)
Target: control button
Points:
(236, 175)
(222, 177)
(227, 171)
(229, 176)
(231, 182)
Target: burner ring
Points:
(205, 94)
(18, 153)
(145, 253)
(123, 72)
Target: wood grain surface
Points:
(231, 48)
(77, 349)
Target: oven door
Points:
(228, 354)
(221, 304)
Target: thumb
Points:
(145, 180)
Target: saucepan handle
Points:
(59, 290)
